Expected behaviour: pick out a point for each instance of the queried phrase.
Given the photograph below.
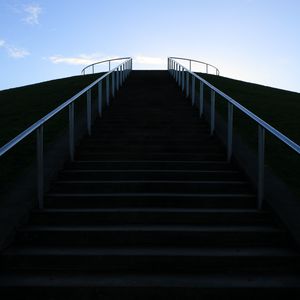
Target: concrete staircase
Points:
(150, 208)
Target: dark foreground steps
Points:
(150, 208)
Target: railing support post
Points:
(71, 131)
(113, 83)
(212, 111)
(187, 84)
(179, 76)
(229, 131)
(261, 166)
(201, 99)
(100, 99)
(40, 166)
(107, 90)
(117, 79)
(182, 81)
(89, 111)
(193, 90)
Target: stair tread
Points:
(85, 279)
(154, 251)
(152, 210)
(175, 195)
(155, 228)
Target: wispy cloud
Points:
(17, 52)
(82, 59)
(13, 51)
(32, 12)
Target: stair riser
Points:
(149, 148)
(181, 176)
(149, 238)
(151, 156)
(149, 187)
(149, 264)
(116, 218)
(118, 291)
(150, 165)
(145, 201)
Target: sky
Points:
(251, 40)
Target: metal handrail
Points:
(182, 74)
(117, 75)
(199, 62)
(101, 62)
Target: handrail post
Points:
(190, 65)
(89, 111)
(40, 165)
(71, 131)
(193, 90)
(113, 83)
(93, 67)
(201, 99)
(261, 166)
(229, 131)
(206, 68)
(182, 83)
(107, 90)
(179, 75)
(187, 84)
(117, 79)
(109, 65)
(212, 111)
(100, 98)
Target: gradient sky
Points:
(251, 40)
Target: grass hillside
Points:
(21, 107)
(279, 108)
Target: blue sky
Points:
(251, 40)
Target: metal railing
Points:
(117, 77)
(207, 66)
(182, 76)
(102, 62)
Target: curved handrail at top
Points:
(50, 115)
(250, 114)
(103, 61)
(199, 62)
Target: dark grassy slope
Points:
(279, 108)
(21, 107)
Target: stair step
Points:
(182, 175)
(142, 155)
(149, 165)
(104, 147)
(101, 200)
(149, 260)
(93, 285)
(153, 186)
(154, 235)
(150, 216)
